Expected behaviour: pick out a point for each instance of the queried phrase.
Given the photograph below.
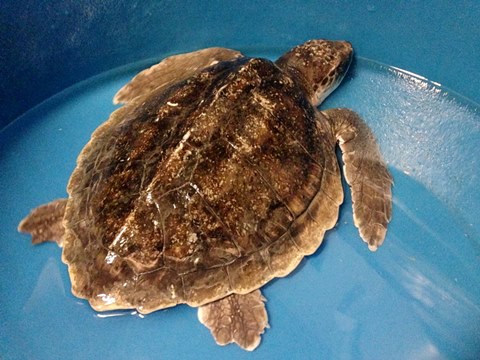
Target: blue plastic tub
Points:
(418, 297)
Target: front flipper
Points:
(366, 173)
(171, 70)
(45, 223)
(236, 318)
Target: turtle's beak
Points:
(345, 50)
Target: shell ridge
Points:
(230, 233)
(260, 172)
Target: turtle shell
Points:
(213, 186)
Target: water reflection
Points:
(49, 281)
(109, 314)
(431, 265)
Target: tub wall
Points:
(50, 45)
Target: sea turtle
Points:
(217, 175)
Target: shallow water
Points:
(417, 297)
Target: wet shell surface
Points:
(211, 186)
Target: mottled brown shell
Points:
(216, 185)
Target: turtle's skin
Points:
(217, 175)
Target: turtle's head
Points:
(318, 65)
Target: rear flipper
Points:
(45, 223)
(239, 319)
(172, 70)
(366, 173)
